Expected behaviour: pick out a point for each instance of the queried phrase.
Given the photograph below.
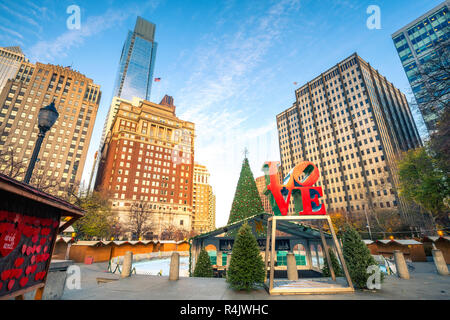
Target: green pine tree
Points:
(247, 201)
(203, 268)
(246, 266)
(335, 263)
(357, 257)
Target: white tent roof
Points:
(434, 239)
(402, 242)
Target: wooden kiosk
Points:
(29, 224)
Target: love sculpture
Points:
(298, 184)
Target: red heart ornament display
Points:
(9, 240)
(5, 275)
(18, 262)
(35, 238)
(39, 275)
(30, 250)
(17, 273)
(27, 231)
(11, 284)
(23, 281)
(42, 241)
(28, 270)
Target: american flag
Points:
(157, 79)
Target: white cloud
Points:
(228, 69)
(91, 26)
(12, 32)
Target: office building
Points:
(10, 60)
(65, 146)
(148, 157)
(419, 41)
(352, 124)
(137, 62)
(261, 185)
(203, 201)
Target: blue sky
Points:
(230, 65)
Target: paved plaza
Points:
(425, 283)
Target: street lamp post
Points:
(46, 119)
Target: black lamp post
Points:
(46, 119)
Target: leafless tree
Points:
(173, 233)
(10, 163)
(42, 180)
(140, 219)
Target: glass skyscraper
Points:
(135, 74)
(416, 43)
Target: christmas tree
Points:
(357, 257)
(203, 268)
(247, 201)
(246, 265)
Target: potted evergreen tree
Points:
(246, 266)
(203, 267)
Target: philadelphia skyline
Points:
(231, 66)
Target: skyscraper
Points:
(417, 43)
(65, 146)
(261, 185)
(134, 77)
(203, 201)
(352, 123)
(10, 60)
(148, 157)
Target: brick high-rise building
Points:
(261, 185)
(203, 201)
(65, 146)
(352, 123)
(148, 157)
